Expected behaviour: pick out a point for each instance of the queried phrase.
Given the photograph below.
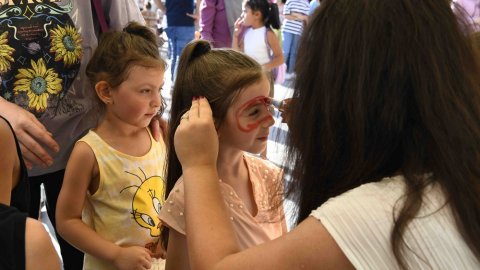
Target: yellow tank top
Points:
(131, 192)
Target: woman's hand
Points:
(33, 137)
(196, 140)
(285, 110)
(159, 128)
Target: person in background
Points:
(217, 21)
(384, 142)
(26, 243)
(251, 187)
(115, 174)
(259, 41)
(181, 18)
(470, 11)
(150, 16)
(295, 14)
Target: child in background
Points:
(27, 244)
(259, 41)
(113, 187)
(252, 187)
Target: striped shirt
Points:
(294, 6)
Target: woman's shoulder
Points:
(376, 196)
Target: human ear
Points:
(104, 92)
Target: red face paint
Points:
(254, 112)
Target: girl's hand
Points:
(238, 26)
(196, 140)
(159, 251)
(133, 258)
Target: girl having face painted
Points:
(237, 89)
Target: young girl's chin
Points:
(257, 149)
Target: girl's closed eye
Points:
(253, 112)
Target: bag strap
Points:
(100, 15)
(270, 52)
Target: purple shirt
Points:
(213, 23)
(472, 12)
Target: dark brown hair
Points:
(118, 51)
(386, 87)
(269, 11)
(216, 74)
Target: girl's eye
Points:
(253, 112)
(146, 91)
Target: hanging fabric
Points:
(97, 5)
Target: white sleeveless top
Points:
(361, 221)
(255, 46)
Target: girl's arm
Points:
(274, 44)
(211, 240)
(177, 252)
(78, 176)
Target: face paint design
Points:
(254, 112)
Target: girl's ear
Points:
(104, 92)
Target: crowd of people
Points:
(383, 141)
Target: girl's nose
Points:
(156, 100)
(268, 122)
